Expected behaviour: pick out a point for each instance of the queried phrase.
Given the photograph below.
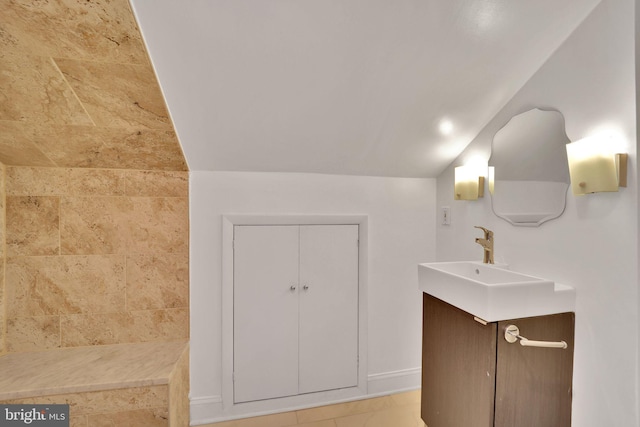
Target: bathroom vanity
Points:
(475, 373)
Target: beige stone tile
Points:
(95, 182)
(344, 409)
(159, 225)
(32, 225)
(396, 417)
(155, 417)
(117, 95)
(48, 145)
(17, 147)
(94, 225)
(106, 225)
(157, 281)
(282, 419)
(70, 373)
(34, 90)
(96, 329)
(3, 314)
(179, 392)
(78, 421)
(96, 402)
(97, 30)
(3, 212)
(157, 184)
(33, 333)
(407, 398)
(112, 328)
(160, 325)
(122, 399)
(109, 147)
(389, 411)
(65, 284)
(36, 181)
(324, 423)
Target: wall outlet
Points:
(445, 215)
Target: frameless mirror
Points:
(529, 174)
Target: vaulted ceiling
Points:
(344, 86)
(329, 86)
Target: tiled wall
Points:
(3, 323)
(79, 91)
(95, 256)
(136, 406)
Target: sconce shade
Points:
(468, 185)
(594, 167)
(492, 179)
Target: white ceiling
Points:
(356, 87)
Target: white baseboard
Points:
(203, 408)
(210, 409)
(392, 382)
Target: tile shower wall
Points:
(95, 256)
(79, 90)
(3, 318)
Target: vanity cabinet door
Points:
(473, 377)
(534, 385)
(458, 367)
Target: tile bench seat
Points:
(142, 384)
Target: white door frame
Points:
(287, 403)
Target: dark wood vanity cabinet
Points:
(472, 377)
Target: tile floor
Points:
(397, 410)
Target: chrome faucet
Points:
(487, 245)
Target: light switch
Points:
(445, 215)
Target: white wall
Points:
(401, 218)
(593, 246)
(637, 165)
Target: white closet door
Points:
(328, 335)
(265, 317)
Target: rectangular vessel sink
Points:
(493, 292)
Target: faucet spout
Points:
(487, 245)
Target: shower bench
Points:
(142, 384)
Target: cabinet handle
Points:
(305, 287)
(512, 334)
(293, 288)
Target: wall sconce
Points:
(595, 167)
(492, 179)
(469, 185)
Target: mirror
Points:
(529, 173)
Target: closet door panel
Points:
(265, 319)
(328, 354)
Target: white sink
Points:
(493, 292)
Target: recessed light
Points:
(446, 127)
